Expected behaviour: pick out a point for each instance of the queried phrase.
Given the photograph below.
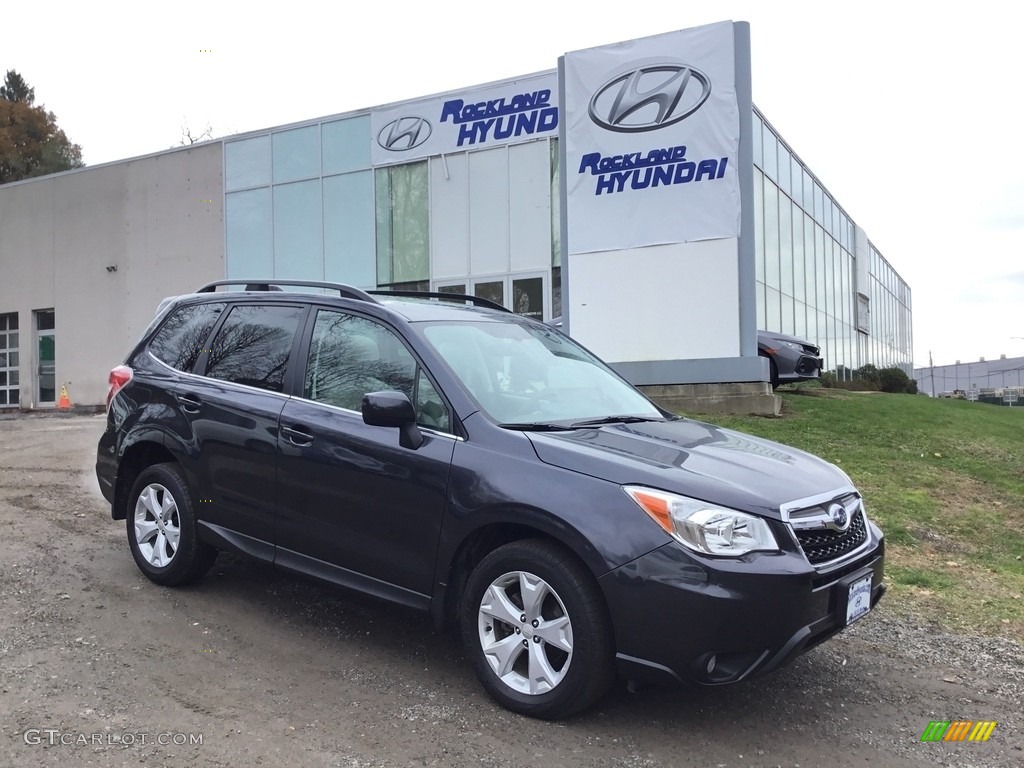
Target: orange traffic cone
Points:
(64, 403)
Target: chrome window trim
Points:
(348, 411)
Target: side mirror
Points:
(393, 409)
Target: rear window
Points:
(182, 337)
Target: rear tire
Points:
(162, 528)
(537, 630)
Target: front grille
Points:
(822, 545)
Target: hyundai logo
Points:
(404, 133)
(649, 97)
(839, 518)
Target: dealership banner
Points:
(514, 111)
(652, 132)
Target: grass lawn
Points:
(944, 479)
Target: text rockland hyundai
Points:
(488, 470)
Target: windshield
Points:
(526, 374)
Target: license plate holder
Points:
(854, 597)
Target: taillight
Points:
(118, 378)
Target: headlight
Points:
(703, 527)
(792, 345)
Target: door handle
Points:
(297, 436)
(190, 403)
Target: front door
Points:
(355, 506)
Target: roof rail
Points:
(345, 291)
(476, 301)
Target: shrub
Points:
(895, 380)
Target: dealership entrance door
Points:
(46, 393)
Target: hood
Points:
(699, 460)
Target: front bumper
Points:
(679, 617)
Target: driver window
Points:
(351, 355)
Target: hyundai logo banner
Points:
(652, 136)
(515, 111)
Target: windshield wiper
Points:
(536, 426)
(615, 420)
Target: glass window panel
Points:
(819, 204)
(773, 310)
(247, 163)
(799, 291)
(787, 314)
(797, 190)
(800, 320)
(253, 345)
(12, 341)
(761, 310)
(12, 359)
(346, 145)
(182, 336)
(758, 129)
(296, 154)
(349, 253)
(808, 259)
(528, 297)
(759, 223)
(45, 320)
(771, 154)
(771, 236)
(431, 411)
(248, 234)
(403, 224)
(556, 291)
(492, 291)
(350, 356)
(808, 193)
(819, 268)
(556, 207)
(786, 244)
(13, 377)
(457, 288)
(784, 166)
(298, 231)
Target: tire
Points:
(168, 551)
(559, 660)
(774, 374)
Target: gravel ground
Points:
(100, 667)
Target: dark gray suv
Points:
(487, 470)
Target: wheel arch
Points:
(503, 527)
(136, 457)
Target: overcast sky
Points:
(907, 111)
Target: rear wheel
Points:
(162, 528)
(537, 631)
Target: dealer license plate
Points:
(859, 601)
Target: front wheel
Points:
(162, 528)
(537, 631)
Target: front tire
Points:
(537, 631)
(162, 528)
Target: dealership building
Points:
(635, 191)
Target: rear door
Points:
(232, 413)
(355, 506)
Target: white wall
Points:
(675, 301)
(157, 219)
